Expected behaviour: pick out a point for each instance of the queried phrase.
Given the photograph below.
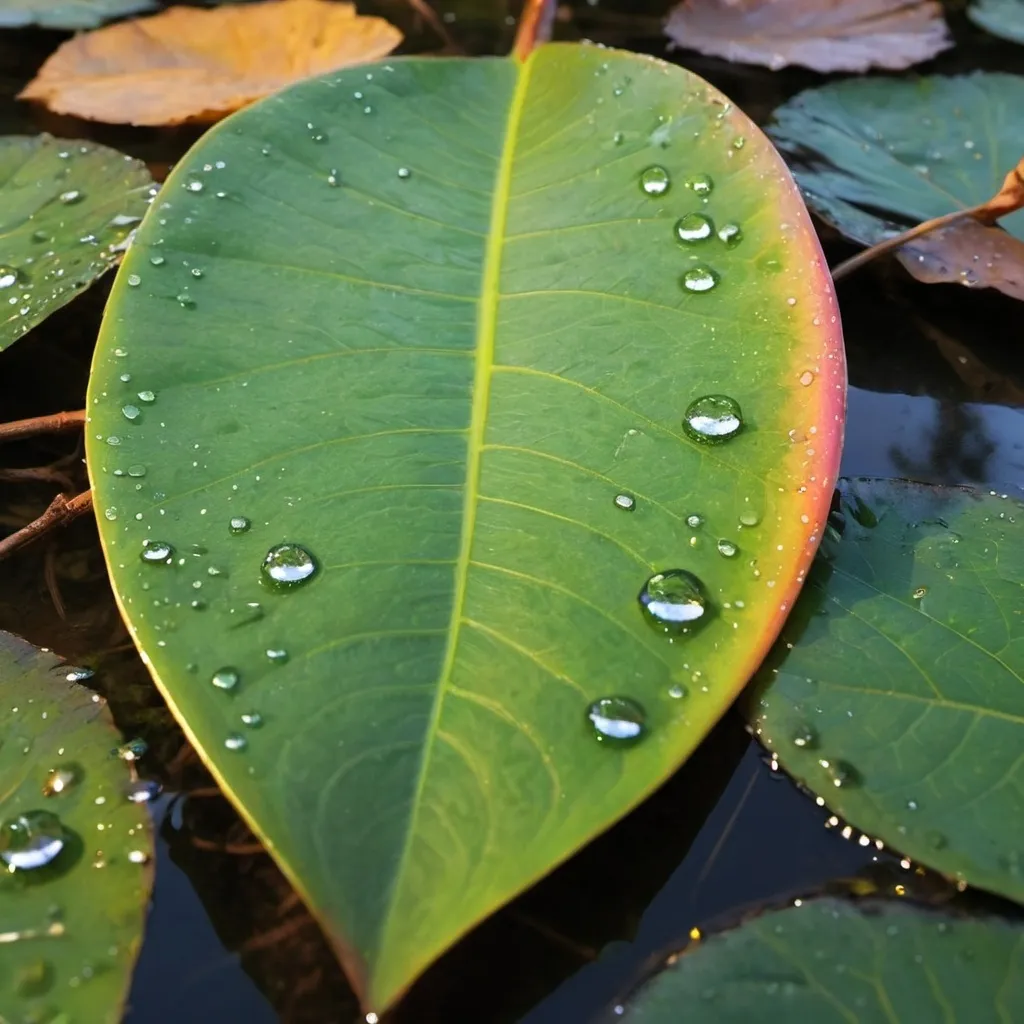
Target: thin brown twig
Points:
(60, 512)
(38, 474)
(278, 934)
(429, 15)
(52, 583)
(535, 26)
(236, 849)
(53, 424)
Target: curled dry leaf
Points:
(187, 64)
(826, 35)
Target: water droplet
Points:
(807, 378)
(110, 513)
(31, 840)
(253, 719)
(727, 548)
(134, 280)
(749, 517)
(694, 521)
(625, 501)
(912, 805)
(673, 602)
(157, 261)
(693, 228)
(935, 839)
(617, 721)
(194, 186)
(186, 301)
(278, 655)
(34, 980)
(404, 172)
(239, 524)
(919, 593)
(61, 779)
(157, 552)
(132, 750)
(841, 773)
(71, 197)
(147, 396)
(655, 181)
(8, 276)
(78, 674)
(288, 565)
(141, 791)
(235, 741)
(699, 278)
(225, 678)
(136, 471)
(701, 184)
(712, 419)
(804, 736)
(731, 234)
(138, 856)
(677, 691)
(130, 412)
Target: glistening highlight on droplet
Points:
(712, 419)
(31, 840)
(655, 181)
(617, 721)
(287, 566)
(673, 602)
(694, 228)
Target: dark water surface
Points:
(937, 377)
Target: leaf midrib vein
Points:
(486, 330)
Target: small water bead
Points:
(677, 691)
(655, 181)
(252, 719)
(701, 184)
(673, 602)
(132, 750)
(727, 548)
(840, 772)
(71, 197)
(807, 378)
(78, 674)
(277, 655)
(288, 565)
(805, 737)
(333, 177)
(130, 412)
(730, 234)
(225, 678)
(157, 261)
(693, 228)
(134, 280)
(749, 517)
(142, 791)
(113, 440)
(31, 840)
(935, 839)
(617, 721)
(147, 396)
(694, 522)
(625, 501)
(235, 741)
(138, 856)
(699, 278)
(137, 471)
(157, 552)
(404, 172)
(110, 513)
(8, 276)
(186, 301)
(239, 524)
(61, 779)
(712, 419)
(194, 186)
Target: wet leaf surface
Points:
(825, 35)
(1000, 17)
(186, 64)
(875, 156)
(66, 210)
(67, 14)
(895, 690)
(75, 851)
(384, 389)
(835, 962)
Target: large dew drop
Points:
(617, 721)
(655, 181)
(287, 566)
(31, 840)
(699, 278)
(693, 228)
(157, 552)
(673, 602)
(61, 779)
(712, 419)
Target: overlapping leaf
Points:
(826, 35)
(876, 156)
(901, 701)
(1000, 17)
(66, 210)
(74, 851)
(835, 962)
(67, 14)
(444, 342)
(186, 64)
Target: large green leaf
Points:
(67, 14)
(421, 318)
(74, 850)
(835, 962)
(1000, 17)
(862, 149)
(66, 209)
(901, 701)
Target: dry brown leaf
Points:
(968, 253)
(187, 64)
(826, 35)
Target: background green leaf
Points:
(70, 930)
(66, 209)
(874, 153)
(421, 318)
(1000, 17)
(67, 14)
(835, 962)
(904, 681)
